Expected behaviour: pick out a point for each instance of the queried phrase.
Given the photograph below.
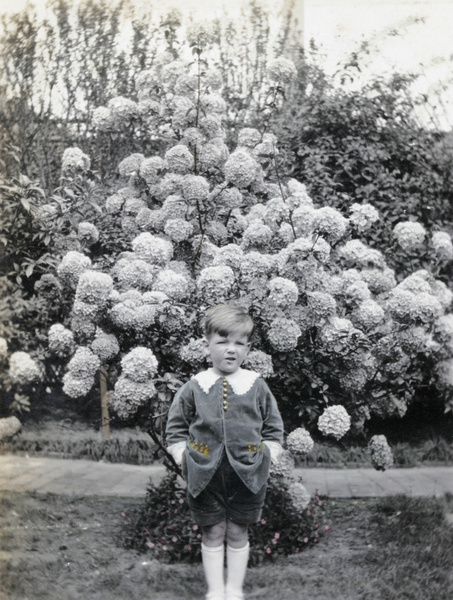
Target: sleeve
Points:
(180, 415)
(272, 421)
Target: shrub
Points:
(163, 527)
(345, 339)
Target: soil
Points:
(63, 548)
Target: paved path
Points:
(90, 478)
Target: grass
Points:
(56, 548)
(71, 439)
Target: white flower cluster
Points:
(443, 246)
(150, 169)
(105, 346)
(321, 306)
(445, 372)
(284, 465)
(135, 386)
(178, 230)
(134, 274)
(299, 441)
(405, 307)
(74, 160)
(61, 340)
(130, 165)
(122, 109)
(94, 287)
(174, 285)
(128, 396)
(284, 334)
(241, 169)
(281, 70)
(215, 283)
(193, 352)
(9, 426)
(300, 496)
(195, 188)
(82, 368)
(134, 312)
(152, 249)
(139, 364)
(230, 255)
(363, 216)
(72, 265)
(256, 234)
(368, 314)
(87, 233)
(260, 362)
(409, 235)
(356, 252)
(334, 421)
(330, 222)
(23, 370)
(283, 292)
(3, 348)
(381, 453)
(179, 159)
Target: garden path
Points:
(90, 478)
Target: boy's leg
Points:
(213, 553)
(237, 558)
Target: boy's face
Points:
(227, 353)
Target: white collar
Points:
(241, 380)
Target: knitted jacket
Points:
(235, 414)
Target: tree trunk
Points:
(105, 419)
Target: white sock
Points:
(213, 558)
(237, 559)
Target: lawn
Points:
(61, 548)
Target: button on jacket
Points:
(235, 413)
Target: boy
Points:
(224, 427)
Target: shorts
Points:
(226, 497)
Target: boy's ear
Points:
(205, 346)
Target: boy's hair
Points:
(226, 318)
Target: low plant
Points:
(163, 527)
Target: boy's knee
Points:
(236, 534)
(215, 534)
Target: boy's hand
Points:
(177, 451)
(275, 449)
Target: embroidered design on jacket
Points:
(201, 448)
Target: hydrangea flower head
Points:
(139, 364)
(150, 169)
(130, 165)
(179, 159)
(282, 291)
(381, 453)
(174, 285)
(363, 216)
(284, 465)
(9, 426)
(74, 160)
(128, 396)
(84, 364)
(443, 246)
(300, 496)
(281, 70)
(88, 233)
(284, 334)
(105, 346)
(330, 222)
(409, 234)
(72, 265)
(193, 352)
(195, 188)
(334, 421)
(240, 169)
(152, 249)
(61, 340)
(94, 287)
(259, 361)
(178, 230)
(299, 441)
(23, 369)
(215, 282)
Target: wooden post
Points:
(105, 419)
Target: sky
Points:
(408, 35)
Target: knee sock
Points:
(237, 559)
(213, 569)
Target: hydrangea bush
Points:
(343, 336)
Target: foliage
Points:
(164, 527)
